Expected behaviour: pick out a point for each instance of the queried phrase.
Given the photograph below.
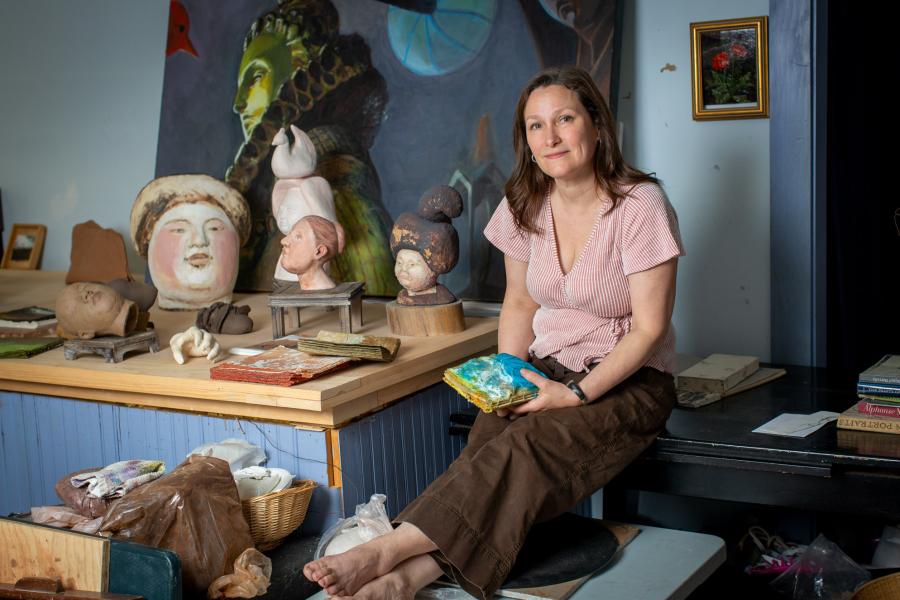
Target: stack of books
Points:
(878, 408)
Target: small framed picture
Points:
(730, 69)
(24, 248)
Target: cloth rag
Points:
(117, 479)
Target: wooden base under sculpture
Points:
(425, 321)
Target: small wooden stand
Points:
(112, 347)
(425, 321)
(347, 297)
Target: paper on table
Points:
(797, 425)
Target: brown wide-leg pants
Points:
(512, 474)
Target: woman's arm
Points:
(652, 295)
(516, 331)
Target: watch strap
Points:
(576, 389)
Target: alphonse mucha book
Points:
(335, 343)
(280, 366)
(493, 381)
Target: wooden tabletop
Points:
(156, 380)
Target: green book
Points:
(26, 347)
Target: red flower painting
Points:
(729, 67)
(720, 61)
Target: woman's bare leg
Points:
(344, 574)
(402, 583)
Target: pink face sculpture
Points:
(193, 256)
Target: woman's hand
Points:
(551, 394)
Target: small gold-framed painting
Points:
(730, 69)
(26, 242)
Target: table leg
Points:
(277, 322)
(356, 311)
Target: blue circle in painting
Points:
(443, 41)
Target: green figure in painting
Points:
(297, 69)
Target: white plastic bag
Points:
(239, 454)
(369, 522)
(823, 572)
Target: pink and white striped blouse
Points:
(585, 312)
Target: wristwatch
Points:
(576, 389)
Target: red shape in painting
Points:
(179, 30)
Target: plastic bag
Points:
(369, 522)
(195, 512)
(823, 572)
(251, 577)
(65, 517)
(78, 498)
(238, 453)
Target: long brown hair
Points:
(528, 184)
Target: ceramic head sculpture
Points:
(190, 229)
(310, 244)
(297, 193)
(426, 245)
(85, 310)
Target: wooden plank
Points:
(156, 380)
(80, 561)
(333, 447)
(717, 373)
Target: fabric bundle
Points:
(119, 478)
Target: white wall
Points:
(80, 90)
(716, 174)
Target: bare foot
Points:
(344, 574)
(392, 586)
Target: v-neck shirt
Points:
(584, 313)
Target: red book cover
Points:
(880, 410)
(280, 366)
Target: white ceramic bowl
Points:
(256, 481)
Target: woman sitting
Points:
(590, 247)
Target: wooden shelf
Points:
(156, 380)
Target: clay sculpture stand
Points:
(112, 348)
(422, 321)
(347, 297)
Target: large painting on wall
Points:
(396, 96)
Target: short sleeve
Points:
(502, 232)
(650, 234)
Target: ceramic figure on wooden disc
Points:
(426, 245)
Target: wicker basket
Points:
(272, 517)
(883, 588)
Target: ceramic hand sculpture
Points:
(190, 229)
(426, 245)
(194, 342)
(86, 310)
(310, 244)
(297, 192)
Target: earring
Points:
(533, 159)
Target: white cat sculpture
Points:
(297, 192)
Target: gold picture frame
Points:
(730, 69)
(26, 242)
